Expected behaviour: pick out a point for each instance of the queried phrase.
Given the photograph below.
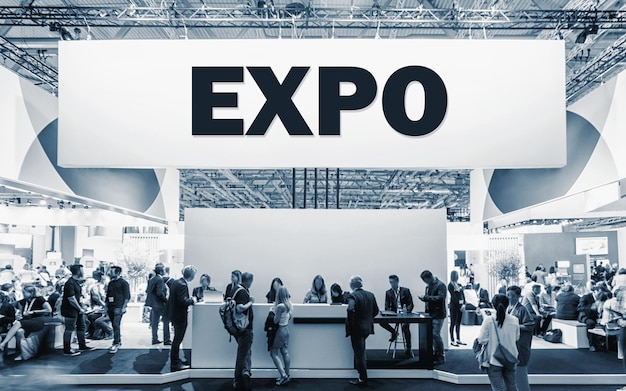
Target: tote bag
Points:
(502, 354)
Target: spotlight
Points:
(582, 37)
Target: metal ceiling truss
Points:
(307, 16)
(28, 66)
(326, 188)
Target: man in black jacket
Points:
(362, 309)
(398, 299)
(156, 298)
(176, 311)
(435, 299)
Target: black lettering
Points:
(278, 101)
(203, 102)
(331, 103)
(435, 100)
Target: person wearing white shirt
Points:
(500, 329)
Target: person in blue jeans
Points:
(117, 298)
(243, 364)
(435, 302)
(503, 329)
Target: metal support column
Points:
(326, 188)
(305, 186)
(338, 188)
(315, 188)
(293, 188)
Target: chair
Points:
(399, 340)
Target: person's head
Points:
(454, 276)
(591, 284)
(394, 281)
(115, 272)
(513, 293)
(356, 282)
(552, 270)
(77, 271)
(621, 271)
(276, 284)
(6, 288)
(205, 280)
(97, 275)
(26, 266)
(235, 277)
(427, 277)
(533, 278)
(283, 297)
(246, 279)
(500, 302)
(29, 292)
(335, 290)
(166, 271)
(189, 272)
(318, 285)
(159, 269)
(536, 288)
(567, 288)
(8, 267)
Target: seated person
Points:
(588, 311)
(317, 294)
(100, 326)
(397, 299)
(7, 310)
(483, 297)
(471, 299)
(567, 303)
(532, 302)
(205, 286)
(338, 295)
(271, 294)
(35, 313)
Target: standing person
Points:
(500, 329)
(176, 311)
(117, 298)
(526, 327)
(279, 350)
(317, 294)
(73, 312)
(435, 299)
(235, 280)
(397, 299)
(156, 298)
(243, 364)
(362, 309)
(457, 305)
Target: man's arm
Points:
(409, 300)
(161, 291)
(388, 300)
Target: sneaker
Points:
(156, 342)
(460, 343)
(167, 343)
(71, 353)
(592, 348)
(87, 348)
(114, 349)
(283, 380)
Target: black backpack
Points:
(227, 313)
(554, 336)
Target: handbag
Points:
(481, 354)
(502, 354)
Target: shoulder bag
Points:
(502, 354)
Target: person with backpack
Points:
(176, 310)
(243, 309)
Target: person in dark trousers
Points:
(73, 312)
(243, 363)
(457, 305)
(398, 299)
(362, 309)
(526, 328)
(156, 298)
(176, 312)
(117, 298)
(435, 299)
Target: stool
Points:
(399, 339)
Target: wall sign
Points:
(312, 103)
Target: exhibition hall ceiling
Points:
(593, 31)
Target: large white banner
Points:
(312, 103)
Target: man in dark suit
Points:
(176, 311)
(362, 309)
(398, 299)
(156, 298)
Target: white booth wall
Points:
(297, 244)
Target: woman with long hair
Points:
(279, 350)
(271, 295)
(235, 280)
(317, 294)
(457, 302)
(500, 329)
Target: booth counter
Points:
(317, 338)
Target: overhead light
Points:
(582, 37)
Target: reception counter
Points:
(317, 338)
